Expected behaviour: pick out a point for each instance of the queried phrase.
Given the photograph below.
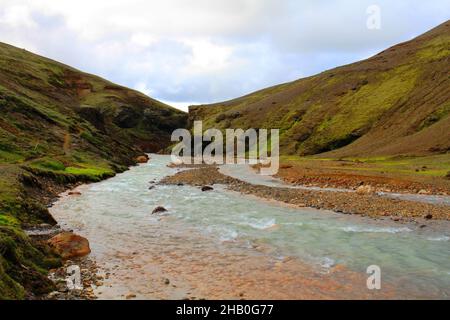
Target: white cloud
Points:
(143, 40)
(17, 16)
(209, 50)
(207, 57)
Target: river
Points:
(221, 244)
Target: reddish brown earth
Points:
(315, 175)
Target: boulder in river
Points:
(142, 159)
(159, 209)
(207, 188)
(69, 245)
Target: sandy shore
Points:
(342, 202)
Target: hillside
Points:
(395, 103)
(59, 127)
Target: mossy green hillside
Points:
(395, 103)
(60, 126)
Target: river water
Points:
(221, 244)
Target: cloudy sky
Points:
(200, 51)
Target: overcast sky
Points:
(200, 51)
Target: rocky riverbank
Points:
(90, 280)
(360, 203)
(48, 235)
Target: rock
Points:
(423, 192)
(180, 184)
(53, 295)
(151, 187)
(207, 188)
(166, 281)
(45, 226)
(428, 216)
(142, 159)
(130, 296)
(364, 190)
(69, 245)
(159, 209)
(74, 193)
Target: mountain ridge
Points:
(394, 103)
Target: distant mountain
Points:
(395, 103)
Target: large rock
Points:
(69, 245)
(142, 159)
(159, 210)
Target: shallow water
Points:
(247, 174)
(219, 243)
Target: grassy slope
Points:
(60, 125)
(395, 103)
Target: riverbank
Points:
(342, 202)
(27, 190)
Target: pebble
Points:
(130, 296)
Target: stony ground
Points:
(90, 279)
(342, 202)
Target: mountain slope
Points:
(42, 93)
(395, 103)
(59, 127)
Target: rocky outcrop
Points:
(93, 115)
(127, 117)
